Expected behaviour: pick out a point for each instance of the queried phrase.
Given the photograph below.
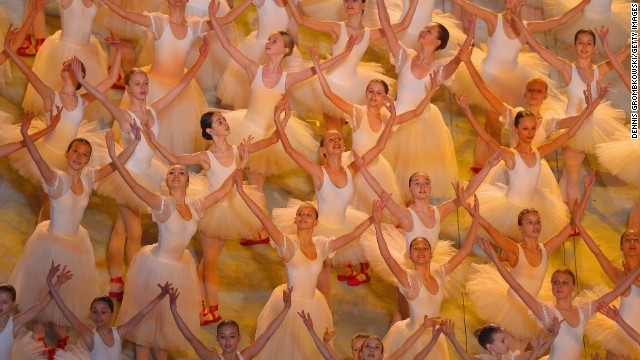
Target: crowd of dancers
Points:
(378, 208)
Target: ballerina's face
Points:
(306, 217)
(420, 186)
(353, 7)
(138, 86)
(275, 45)
(228, 337)
(356, 347)
(177, 177)
(585, 45)
(500, 344)
(332, 142)
(630, 245)
(101, 314)
(429, 35)
(6, 303)
(219, 125)
(67, 73)
(375, 94)
(78, 155)
(371, 349)
(420, 251)
(531, 225)
(535, 93)
(562, 285)
(526, 129)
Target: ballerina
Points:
(423, 287)
(502, 204)
(228, 333)
(168, 260)
(369, 346)
(601, 330)
(496, 341)
(350, 74)
(363, 120)
(268, 82)
(335, 216)
(73, 114)
(303, 255)
(425, 142)
(74, 39)
(104, 342)
(568, 343)
(492, 298)
(504, 66)
(609, 154)
(173, 37)
(228, 219)
(143, 166)
(605, 122)
(12, 344)
(63, 238)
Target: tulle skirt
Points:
(364, 195)
(604, 331)
(180, 121)
(400, 331)
(621, 157)
(107, 20)
(77, 352)
(27, 348)
(613, 14)
(333, 10)
(48, 63)
(409, 38)
(424, 144)
(352, 253)
(502, 212)
(508, 84)
(231, 218)
(158, 329)
(272, 160)
(292, 340)
(29, 275)
(600, 128)
(5, 69)
(490, 297)
(52, 152)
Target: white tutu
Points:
(272, 160)
(107, 20)
(77, 352)
(52, 152)
(621, 157)
(490, 297)
(158, 329)
(5, 69)
(29, 274)
(352, 253)
(613, 14)
(292, 340)
(502, 213)
(605, 122)
(231, 218)
(333, 10)
(508, 85)
(606, 332)
(48, 62)
(424, 144)
(27, 348)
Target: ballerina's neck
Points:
(304, 236)
(425, 56)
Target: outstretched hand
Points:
(27, 118)
(378, 210)
(589, 179)
(313, 52)
(286, 297)
(390, 105)
(113, 41)
(602, 34)
(488, 249)
(609, 311)
(173, 297)
(447, 327)
(111, 144)
(165, 289)
(306, 318)
(8, 39)
(464, 105)
(204, 47)
(328, 335)
(137, 133)
(351, 43)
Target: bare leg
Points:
(570, 179)
(324, 281)
(402, 309)
(211, 250)
(133, 225)
(38, 26)
(160, 354)
(39, 329)
(115, 250)
(142, 352)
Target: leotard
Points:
(168, 260)
(568, 344)
(291, 340)
(421, 303)
(63, 241)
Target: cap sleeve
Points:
(439, 65)
(322, 247)
(355, 118)
(158, 23)
(59, 186)
(413, 290)
(89, 177)
(167, 206)
(289, 247)
(403, 56)
(550, 122)
(196, 204)
(196, 25)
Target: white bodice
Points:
(6, 338)
(271, 18)
(347, 68)
(630, 307)
(302, 272)
(76, 22)
(568, 344)
(523, 180)
(174, 232)
(411, 90)
(333, 201)
(66, 207)
(218, 173)
(502, 52)
(575, 96)
(67, 128)
(530, 277)
(420, 230)
(102, 352)
(142, 155)
(262, 100)
(421, 301)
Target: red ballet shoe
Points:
(352, 274)
(475, 170)
(213, 311)
(258, 241)
(575, 233)
(62, 343)
(206, 317)
(119, 84)
(51, 353)
(359, 279)
(26, 49)
(118, 295)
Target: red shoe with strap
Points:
(361, 278)
(258, 241)
(26, 49)
(352, 274)
(118, 295)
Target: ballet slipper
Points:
(258, 241)
(475, 170)
(62, 343)
(360, 279)
(206, 317)
(352, 274)
(118, 295)
(26, 49)
(213, 311)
